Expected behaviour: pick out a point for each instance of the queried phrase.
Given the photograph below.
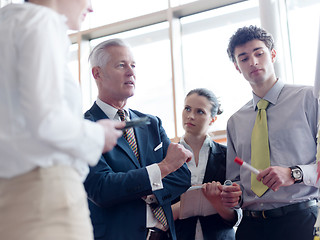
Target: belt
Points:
(157, 234)
(279, 212)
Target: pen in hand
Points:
(246, 165)
(137, 122)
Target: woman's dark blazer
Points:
(213, 227)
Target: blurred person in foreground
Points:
(131, 188)
(45, 143)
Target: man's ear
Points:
(236, 66)
(96, 72)
(273, 55)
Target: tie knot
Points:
(121, 115)
(262, 104)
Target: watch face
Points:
(296, 174)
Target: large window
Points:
(73, 60)
(197, 46)
(205, 38)
(198, 50)
(106, 12)
(6, 2)
(181, 44)
(303, 22)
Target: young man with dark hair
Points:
(279, 202)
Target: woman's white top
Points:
(41, 121)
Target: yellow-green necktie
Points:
(260, 155)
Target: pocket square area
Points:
(158, 147)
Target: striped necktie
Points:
(129, 135)
(159, 214)
(260, 155)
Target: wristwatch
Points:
(296, 174)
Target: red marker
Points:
(246, 165)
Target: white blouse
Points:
(41, 121)
(197, 172)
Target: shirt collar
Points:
(111, 111)
(271, 96)
(207, 142)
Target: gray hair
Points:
(99, 57)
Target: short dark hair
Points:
(215, 109)
(246, 34)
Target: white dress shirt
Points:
(41, 121)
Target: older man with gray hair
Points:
(131, 188)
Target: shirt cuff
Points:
(310, 175)
(239, 216)
(154, 177)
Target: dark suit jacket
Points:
(213, 226)
(117, 183)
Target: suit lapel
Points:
(216, 167)
(212, 164)
(122, 143)
(97, 113)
